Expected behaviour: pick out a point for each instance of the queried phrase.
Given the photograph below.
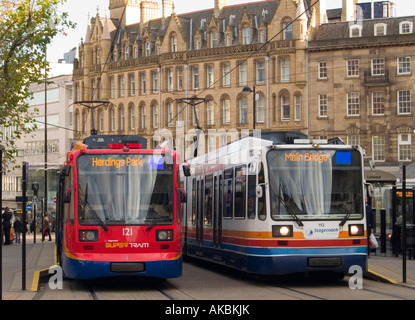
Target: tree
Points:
(26, 28)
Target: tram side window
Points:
(208, 201)
(72, 204)
(240, 192)
(228, 194)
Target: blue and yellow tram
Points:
(278, 205)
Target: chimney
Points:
(219, 4)
(167, 7)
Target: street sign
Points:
(29, 207)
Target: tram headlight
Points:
(282, 231)
(164, 235)
(88, 235)
(356, 230)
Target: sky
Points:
(79, 10)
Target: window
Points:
(155, 116)
(210, 79)
(353, 140)
(260, 72)
(240, 192)
(228, 193)
(262, 36)
(169, 79)
(143, 116)
(378, 67)
(243, 110)
(122, 86)
(353, 104)
(132, 84)
(260, 109)
(378, 107)
(143, 83)
(112, 119)
(226, 74)
(322, 70)
(179, 73)
(226, 106)
(148, 48)
(352, 68)
(297, 107)
(322, 105)
(404, 65)
(173, 41)
(112, 87)
(170, 114)
(285, 107)
(100, 120)
(405, 27)
(98, 58)
(155, 76)
(246, 35)
(131, 111)
(405, 147)
(210, 116)
(404, 102)
(243, 74)
(126, 52)
(288, 30)
(380, 29)
(378, 147)
(228, 40)
(355, 31)
(213, 39)
(195, 77)
(285, 69)
(122, 119)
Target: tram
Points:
(118, 206)
(278, 204)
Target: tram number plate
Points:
(125, 267)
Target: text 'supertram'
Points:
(278, 205)
(118, 206)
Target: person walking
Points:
(46, 229)
(6, 216)
(18, 229)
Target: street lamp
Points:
(246, 91)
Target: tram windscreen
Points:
(125, 189)
(315, 184)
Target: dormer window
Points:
(214, 39)
(405, 27)
(126, 52)
(246, 35)
(288, 30)
(173, 42)
(380, 29)
(148, 48)
(355, 31)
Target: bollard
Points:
(383, 232)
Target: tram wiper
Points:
(289, 210)
(92, 211)
(348, 212)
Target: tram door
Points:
(199, 211)
(217, 210)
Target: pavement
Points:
(40, 257)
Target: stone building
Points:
(145, 65)
(344, 72)
(361, 85)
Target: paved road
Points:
(201, 282)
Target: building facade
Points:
(147, 68)
(31, 148)
(344, 72)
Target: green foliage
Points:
(26, 27)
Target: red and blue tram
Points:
(277, 205)
(118, 210)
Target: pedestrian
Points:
(18, 229)
(370, 223)
(46, 228)
(6, 216)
